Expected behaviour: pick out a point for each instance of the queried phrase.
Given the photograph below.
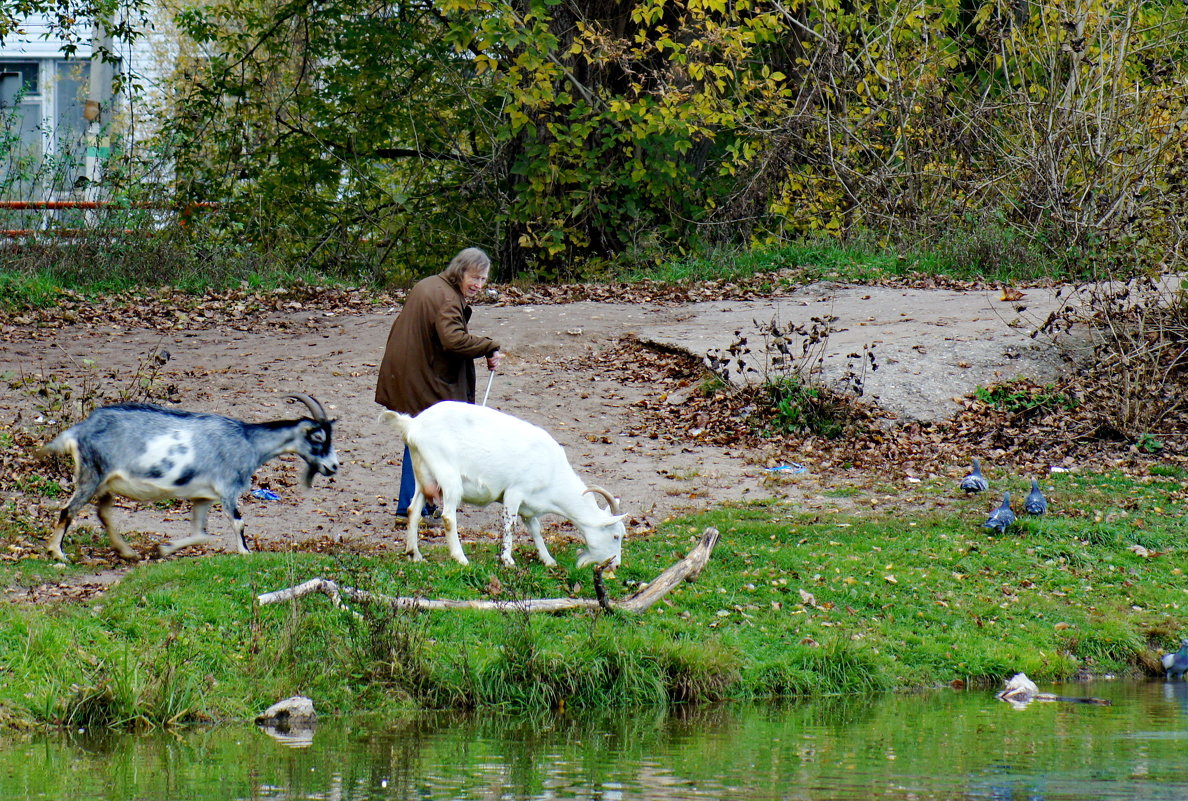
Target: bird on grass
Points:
(1035, 503)
(1177, 664)
(975, 481)
(1002, 517)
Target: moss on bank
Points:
(791, 604)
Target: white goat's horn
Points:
(611, 500)
(315, 408)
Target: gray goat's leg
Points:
(231, 507)
(542, 550)
(86, 483)
(198, 535)
(103, 508)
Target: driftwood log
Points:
(687, 569)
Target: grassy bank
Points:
(987, 254)
(791, 604)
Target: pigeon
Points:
(1002, 517)
(975, 481)
(1035, 503)
(1177, 664)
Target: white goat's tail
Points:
(397, 420)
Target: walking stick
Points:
(490, 381)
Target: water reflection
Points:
(939, 745)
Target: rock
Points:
(1019, 689)
(292, 713)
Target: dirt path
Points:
(934, 345)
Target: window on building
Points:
(41, 127)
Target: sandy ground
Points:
(933, 346)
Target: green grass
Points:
(39, 485)
(45, 288)
(1020, 397)
(790, 605)
(985, 253)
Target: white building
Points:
(49, 148)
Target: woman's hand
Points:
(493, 360)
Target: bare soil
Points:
(934, 346)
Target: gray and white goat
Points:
(149, 453)
(472, 454)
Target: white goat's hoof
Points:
(415, 556)
(56, 555)
(507, 560)
(461, 559)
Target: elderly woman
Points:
(430, 353)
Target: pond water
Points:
(934, 745)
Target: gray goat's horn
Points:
(315, 408)
(611, 500)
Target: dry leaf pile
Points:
(751, 287)
(682, 408)
(57, 592)
(240, 309)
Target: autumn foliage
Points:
(566, 136)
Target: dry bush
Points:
(1133, 380)
(789, 365)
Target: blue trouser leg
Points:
(407, 484)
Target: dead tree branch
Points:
(687, 569)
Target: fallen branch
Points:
(687, 569)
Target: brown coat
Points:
(430, 354)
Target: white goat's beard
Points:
(584, 558)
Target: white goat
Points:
(149, 453)
(467, 453)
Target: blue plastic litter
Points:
(794, 467)
(265, 495)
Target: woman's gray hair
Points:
(470, 260)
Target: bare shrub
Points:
(1134, 378)
(789, 367)
(59, 402)
(1031, 133)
